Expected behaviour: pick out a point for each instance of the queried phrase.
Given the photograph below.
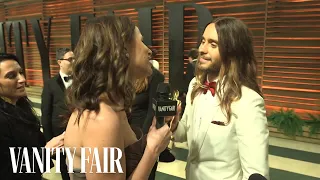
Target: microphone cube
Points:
(164, 108)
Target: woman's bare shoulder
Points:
(106, 117)
(104, 127)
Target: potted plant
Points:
(287, 121)
(314, 124)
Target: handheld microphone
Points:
(163, 105)
(256, 176)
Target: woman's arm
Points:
(145, 166)
(157, 141)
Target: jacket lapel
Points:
(192, 142)
(202, 131)
(60, 83)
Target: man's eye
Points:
(11, 75)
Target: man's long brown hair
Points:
(101, 66)
(238, 63)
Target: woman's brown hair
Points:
(101, 67)
(238, 63)
(141, 85)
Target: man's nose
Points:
(203, 49)
(21, 79)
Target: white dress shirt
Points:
(155, 64)
(66, 84)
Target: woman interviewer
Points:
(19, 127)
(110, 55)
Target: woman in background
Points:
(19, 126)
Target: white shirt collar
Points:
(63, 74)
(216, 80)
(66, 84)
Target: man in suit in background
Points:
(192, 57)
(53, 105)
(154, 62)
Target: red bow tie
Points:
(211, 87)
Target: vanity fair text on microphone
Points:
(164, 108)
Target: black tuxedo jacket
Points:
(190, 74)
(19, 128)
(53, 107)
(142, 113)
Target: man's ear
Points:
(59, 62)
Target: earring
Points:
(127, 55)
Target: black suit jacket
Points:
(190, 74)
(156, 78)
(53, 107)
(19, 128)
(142, 113)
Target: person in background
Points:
(19, 125)
(142, 112)
(53, 105)
(192, 57)
(141, 115)
(154, 62)
(146, 91)
(225, 120)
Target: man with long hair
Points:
(225, 118)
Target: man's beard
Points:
(213, 68)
